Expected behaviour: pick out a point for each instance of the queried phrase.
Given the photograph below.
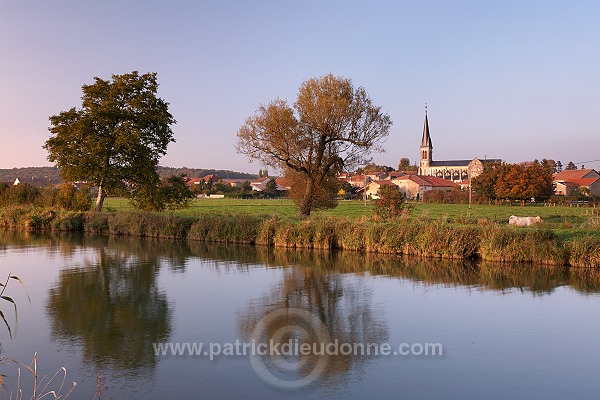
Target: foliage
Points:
(323, 197)
(67, 197)
(570, 166)
(453, 196)
(165, 172)
(172, 195)
(515, 182)
(404, 165)
(390, 202)
(71, 198)
(20, 194)
(331, 125)
(373, 168)
(271, 188)
(115, 140)
(485, 183)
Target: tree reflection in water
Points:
(113, 307)
(343, 303)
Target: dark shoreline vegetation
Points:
(421, 236)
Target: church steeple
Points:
(426, 148)
(426, 140)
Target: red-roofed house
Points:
(360, 180)
(413, 186)
(194, 181)
(568, 181)
(283, 183)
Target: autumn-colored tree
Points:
(550, 165)
(331, 125)
(485, 184)
(323, 196)
(524, 181)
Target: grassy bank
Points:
(421, 236)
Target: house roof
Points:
(396, 174)
(583, 181)
(214, 177)
(383, 182)
(569, 175)
(424, 180)
(283, 182)
(193, 181)
(568, 184)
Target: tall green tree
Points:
(115, 140)
(331, 125)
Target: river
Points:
(162, 319)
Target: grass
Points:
(569, 236)
(565, 222)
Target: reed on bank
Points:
(423, 236)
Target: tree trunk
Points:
(100, 198)
(307, 200)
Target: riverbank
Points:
(422, 236)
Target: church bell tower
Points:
(426, 148)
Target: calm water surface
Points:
(99, 305)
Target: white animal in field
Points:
(524, 221)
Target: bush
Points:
(390, 202)
(19, 195)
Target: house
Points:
(194, 181)
(568, 181)
(283, 183)
(233, 182)
(360, 180)
(374, 187)
(413, 186)
(17, 181)
(259, 184)
(211, 177)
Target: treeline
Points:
(165, 172)
(515, 182)
(35, 176)
(240, 191)
(66, 197)
(47, 176)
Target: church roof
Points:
(461, 163)
(426, 140)
(450, 163)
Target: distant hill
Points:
(45, 176)
(36, 176)
(200, 173)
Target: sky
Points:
(516, 80)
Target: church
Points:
(452, 170)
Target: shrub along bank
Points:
(421, 236)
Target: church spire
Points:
(426, 148)
(426, 140)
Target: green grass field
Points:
(565, 221)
